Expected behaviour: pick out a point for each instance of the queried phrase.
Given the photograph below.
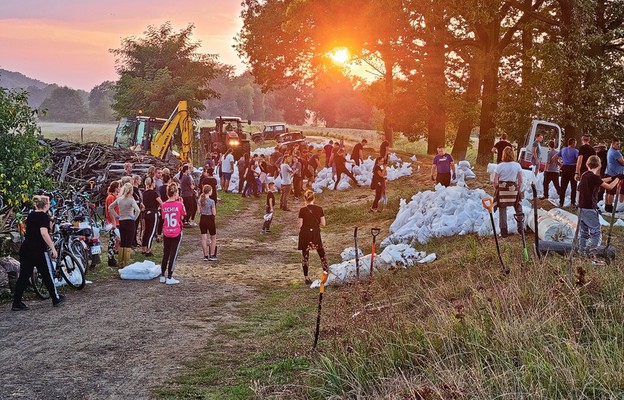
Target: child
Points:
(207, 223)
(172, 213)
(270, 206)
(588, 205)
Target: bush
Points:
(23, 158)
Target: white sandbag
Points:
(144, 271)
(550, 228)
(349, 253)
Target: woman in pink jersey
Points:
(172, 213)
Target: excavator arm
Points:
(180, 119)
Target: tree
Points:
(64, 105)
(100, 100)
(23, 159)
(159, 70)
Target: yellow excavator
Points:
(154, 136)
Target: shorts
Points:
(226, 176)
(614, 190)
(444, 178)
(207, 225)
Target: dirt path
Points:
(118, 339)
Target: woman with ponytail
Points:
(207, 223)
(172, 213)
(311, 218)
(127, 213)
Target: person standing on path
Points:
(227, 166)
(536, 153)
(207, 224)
(585, 151)
(341, 168)
(442, 167)
(138, 197)
(311, 218)
(129, 211)
(113, 233)
(208, 178)
(34, 254)
(286, 173)
(356, 155)
(328, 152)
(297, 177)
(551, 171)
(269, 208)
(590, 234)
(569, 158)
(377, 183)
(383, 150)
(508, 185)
(151, 215)
(500, 146)
(615, 167)
(188, 194)
(172, 214)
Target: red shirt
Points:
(109, 218)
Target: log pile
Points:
(79, 164)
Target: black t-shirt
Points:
(377, 180)
(270, 196)
(150, 200)
(500, 146)
(340, 162)
(314, 161)
(311, 216)
(32, 238)
(602, 154)
(588, 188)
(585, 151)
(357, 151)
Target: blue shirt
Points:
(569, 155)
(443, 163)
(613, 165)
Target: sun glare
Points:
(340, 55)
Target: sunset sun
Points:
(339, 55)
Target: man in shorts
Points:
(227, 167)
(442, 167)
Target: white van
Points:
(551, 131)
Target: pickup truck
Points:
(269, 132)
(289, 140)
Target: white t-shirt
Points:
(286, 174)
(508, 171)
(226, 164)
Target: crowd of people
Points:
(163, 204)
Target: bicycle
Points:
(66, 267)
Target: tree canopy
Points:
(160, 69)
(23, 159)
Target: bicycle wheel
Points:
(38, 286)
(77, 249)
(71, 270)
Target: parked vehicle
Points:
(551, 131)
(290, 139)
(226, 134)
(269, 132)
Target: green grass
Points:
(267, 344)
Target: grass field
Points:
(454, 329)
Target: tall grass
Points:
(481, 336)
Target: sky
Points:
(67, 42)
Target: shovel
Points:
(357, 257)
(318, 316)
(488, 204)
(374, 232)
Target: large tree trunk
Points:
(571, 75)
(469, 108)
(489, 98)
(389, 101)
(434, 68)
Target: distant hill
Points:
(16, 80)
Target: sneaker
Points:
(60, 300)
(172, 281)
(112, 262)
(308, 281)
(163, 279)
(542, 197)
(150, 254)
(193, 223)
(19, 307)
(206, 258)
(262, 232)
(213, 258)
